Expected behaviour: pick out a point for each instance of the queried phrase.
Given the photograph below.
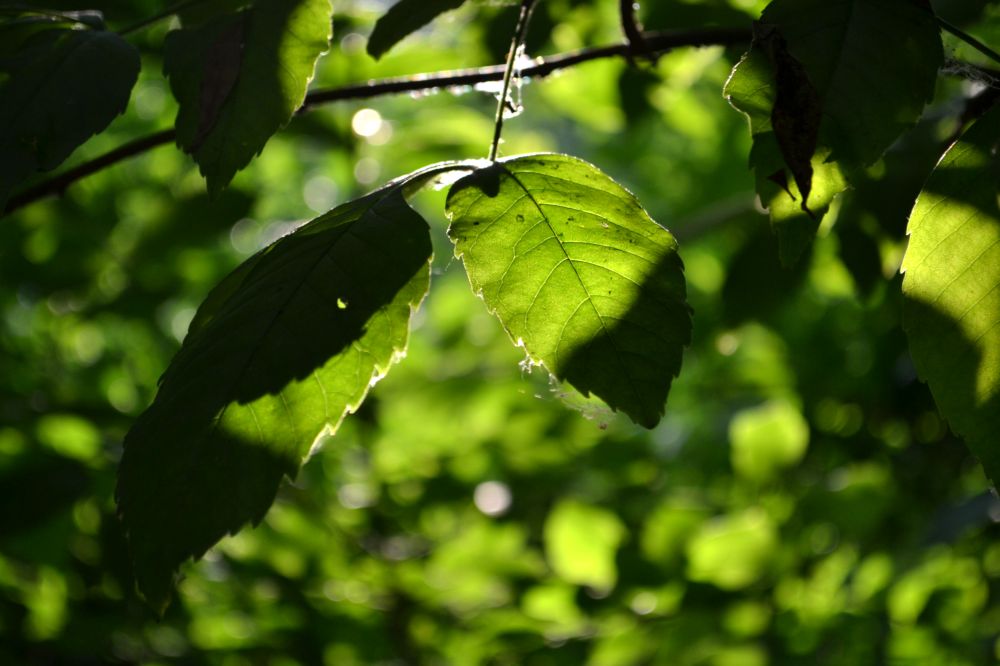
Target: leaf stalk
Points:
(515, 46)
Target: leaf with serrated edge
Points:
(240, 77)
(62, 87)
(952, 288)
(402, 19)
(578, 274)
(277, 354)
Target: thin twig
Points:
(515, 47)
(658, 42)
(970, 40)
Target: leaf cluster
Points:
(853, 124)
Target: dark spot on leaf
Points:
(222, 69)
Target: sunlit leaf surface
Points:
(279, 352)
(240, 77)
(952, 288)
(578, 274)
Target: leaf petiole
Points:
(515, 44)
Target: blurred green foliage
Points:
(801, 503)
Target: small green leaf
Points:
(58, 87)
(952, 288)
(403, 18)
(732, 551)
(240, 77)
(578, 274)
(767, 438)
(581, 542)
(270, 366)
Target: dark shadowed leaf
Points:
(278, 353)
(828, 87)
(880, 200)
(403, 18)
(757, 284)
(58, 87)
(952, 288)
(752, 89)
(874, 63)
(859, 251)
(578, 274)
(239, 78)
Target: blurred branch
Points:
(656, 43)
(969, 39)
(58, 184)
(633, 29)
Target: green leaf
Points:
(767, 438)
(952, 288)
(874, 63)
(58, 87)
(240, 77)
(580, 544)
(403, 18)
(828, 87)
(757, 285)
(279, 352)
(578, 274)
(732, 551)
(752, 89)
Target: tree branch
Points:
(632, 29)
(656, 42)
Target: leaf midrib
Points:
(589, 297)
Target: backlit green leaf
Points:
(578, 274)
(952, 288)
(403, 18)
(580, 544)
(58, 87)
(767, 438)
(279, 352)
(732, 551)
(239, 78)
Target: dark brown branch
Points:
(58, 184)
(633, 29)
(656, 42)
